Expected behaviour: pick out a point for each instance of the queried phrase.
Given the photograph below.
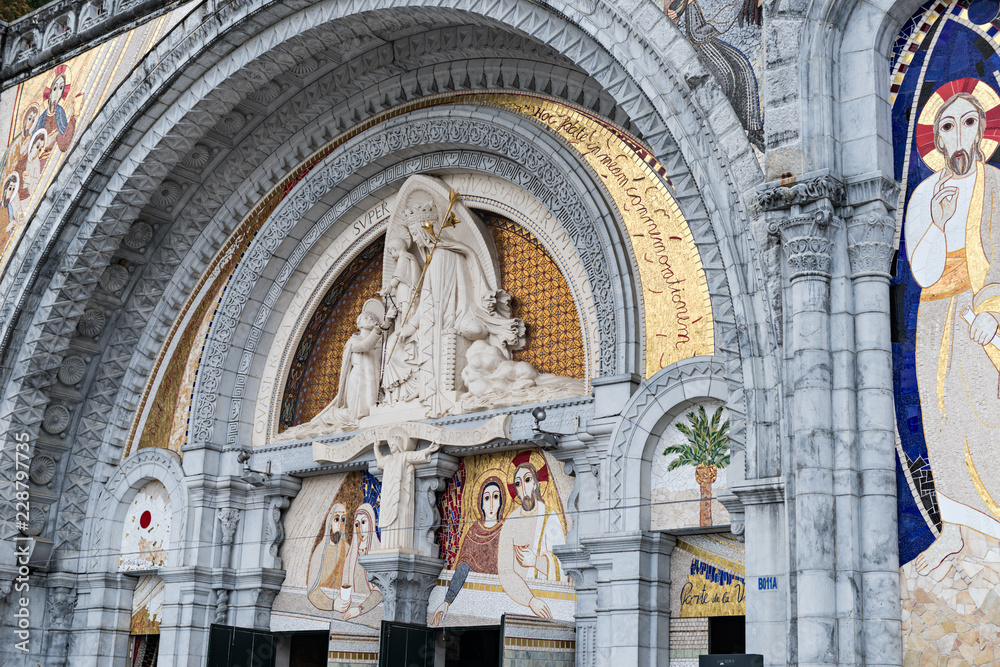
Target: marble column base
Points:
(405, 580)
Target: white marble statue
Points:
(443, 342)
(396, 513)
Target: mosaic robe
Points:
(958, 379)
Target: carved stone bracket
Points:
(262, 607)
(431, 478)
(737, 517)
(405, 581)
(274, 533)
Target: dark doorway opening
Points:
(727, 634)
(308, 649)
(471, 647)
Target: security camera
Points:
(243, 456)
(538, 414)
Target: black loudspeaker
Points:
(731, 660)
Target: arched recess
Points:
(105, 526)
(346, 176)
(483, 192)
(707, 193)
(644, 417)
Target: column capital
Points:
(405, 581)
(871, 231)
(805, 241)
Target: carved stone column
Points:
(405, 581)
(801, 215)
(871, 232)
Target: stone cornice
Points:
(764, 491)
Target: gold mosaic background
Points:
(315, 372)
(541, 298)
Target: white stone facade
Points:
(795, 243)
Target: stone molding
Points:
(763, 491)
(405, 581)
(810, 189)
(871, 188)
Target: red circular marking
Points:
(145, 519)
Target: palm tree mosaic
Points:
(706, 450)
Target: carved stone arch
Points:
(551, 175)
(647, 413)
(58, 30)
(118, 199)
(103, 534)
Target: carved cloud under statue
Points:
(439, 338)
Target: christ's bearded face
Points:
(338, 523)
(526, 485)
(958, 130)
(58, 86)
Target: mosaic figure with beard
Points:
(953, 245)
(327, 569)
(526, 541)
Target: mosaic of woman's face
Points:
(8, 190)
(361, 528)
(491, 501)
(29, 120)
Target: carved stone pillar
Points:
(187, 614)
(405, 581)
(576, 563)
(60, 603)
(101, 620)
(801, 215)
(871, 232)
(228, 520)
(632, 576)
